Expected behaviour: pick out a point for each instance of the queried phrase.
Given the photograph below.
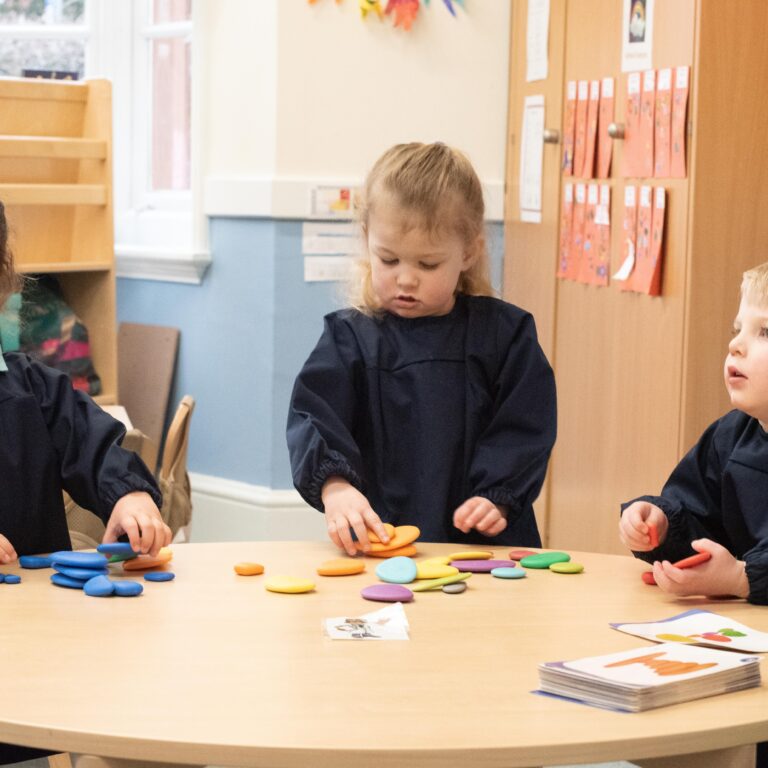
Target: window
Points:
(145, 48)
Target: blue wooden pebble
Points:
(60, 580)
(35, 561)
(508, 573)
(79, 559)
(11, 578)
(80, 573)
(117, 548)
(99, 586)
(397, 570)
(2, 578)
(159, 576)
(128, 588)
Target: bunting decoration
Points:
(403, 13)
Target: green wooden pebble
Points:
(544, 559)
(508, 573)
(566, 567)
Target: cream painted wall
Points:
(300, 91)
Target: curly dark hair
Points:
(9, 282)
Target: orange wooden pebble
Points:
(407, 551)
(145, 562)
(388, 527)
(402, 537)
(342, 566)
(249, 569)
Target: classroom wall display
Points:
(403, 13)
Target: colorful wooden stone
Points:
(470, 554)
(80, 573)
(397, 570)
(481, 566)
(401, 537)
(653, 535)
(2, 578)
(79, 559)
(647, 577)
(435, 571)
(11, 578)
(434, 584)
(519, 554)
(544, 559)
(387, 593)
(118, 548)
(128, 588)
(374, 539)
(144, 562)
(289, 585)
(341, 566)
(159, 576)
(99, 586)
(444, 560)
(60, 580)
(568, 567)
(456, 588)
(35, 561)
(249, 569)
(408, 551)
(508, 573)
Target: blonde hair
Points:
(754, 285)
(439, 188)
(9, 282)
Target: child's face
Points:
(413, 273)
(746, 365)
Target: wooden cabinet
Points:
(56, 184)
(639, 378)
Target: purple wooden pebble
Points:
(482, 566)
(387, 593)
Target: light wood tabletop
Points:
(213, 669)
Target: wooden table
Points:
(213, 669)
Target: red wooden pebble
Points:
(647, 577)
(519, 554)
(653, 533)
(690, 562)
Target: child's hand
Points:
(136, 515)
(482, 515)
(721, 575)
(7, 552)
(633, 526)
(346, 508)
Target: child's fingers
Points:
(333, 534)
(345, 537)
(7, 552)
(489, 519)
(496, 528)
(373, 522)
(478, 509)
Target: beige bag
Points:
(86, 530)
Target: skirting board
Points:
(229, 510)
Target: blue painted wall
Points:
(245, 332)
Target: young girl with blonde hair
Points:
(428, 402)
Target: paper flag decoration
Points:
(402, 12)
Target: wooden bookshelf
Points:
(56, 185)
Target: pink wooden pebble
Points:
(482, 566)
(387, 593)
(519, 554)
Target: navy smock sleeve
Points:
(322, 414)
(691, 500)
(510, 458)
(95, 470)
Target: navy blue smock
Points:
(719, 491)
(420, 414)
(52, 438)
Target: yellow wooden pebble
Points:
(388, 527)
(289, 585)
(434, 584)
(342, 566)
(470, 555)
(434, 570)
(436, 561)
(249, 569)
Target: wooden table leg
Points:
(734, 757)
(92, 761)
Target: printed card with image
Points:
(593, 110)
(580, 147)
(605, 118)
(640, 278)
(603, 224)
(589, 247)
(647, 109)
(566, 224)
(679, 109)
(569, 128)
(629, 237)
(632, 149)
(577, 235)
(663, 124)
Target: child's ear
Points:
(472, 252)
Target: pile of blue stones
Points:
(88, 570)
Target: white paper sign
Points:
(531, 158)
(537, 41)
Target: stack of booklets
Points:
(649, 677)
